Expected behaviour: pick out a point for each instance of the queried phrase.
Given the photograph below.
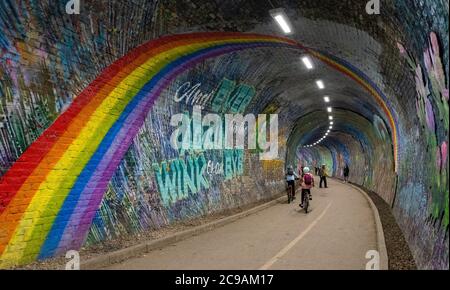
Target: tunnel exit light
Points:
(307, 62)
(281, 18)
(320, 84)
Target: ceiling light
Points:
(329, 109)
(320, 84)
(281, 18)
(331, 123)
(330, 117)
(307, 62)
(326, 99)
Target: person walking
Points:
(323, 173)
(346, 172)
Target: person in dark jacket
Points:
(323, 173)
(346, 172)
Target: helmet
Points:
(306, 170)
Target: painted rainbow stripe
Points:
(49, 197)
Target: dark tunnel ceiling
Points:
(341, 29)
(351, 35)
(296, 91)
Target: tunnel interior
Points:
(88, 103)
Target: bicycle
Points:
(306, 197)
(290, 195)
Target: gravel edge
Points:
(381, 241)
(399, 254)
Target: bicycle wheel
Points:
(289, 194)
(306, 202)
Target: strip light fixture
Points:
(279, 15)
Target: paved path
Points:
(336, 234)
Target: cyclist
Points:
(291, 176)
(307, 184)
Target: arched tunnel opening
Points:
(353, 141)
(123, 120)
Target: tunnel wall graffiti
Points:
(87, 142)
(53, 69)
(423, 190)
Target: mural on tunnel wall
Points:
(100, 130)
(47, 59)
(230, 186)
(31, 105)
(423, 186)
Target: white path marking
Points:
(295, 241)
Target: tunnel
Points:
(94, 92)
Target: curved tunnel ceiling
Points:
(351, 46)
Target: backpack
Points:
(308, 179)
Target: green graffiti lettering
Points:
(242, 97)
(200, 172)
(222, 94)
(227, 164)
(188, 170)
(166, 182)
(239, 162)
(183, 176)
(233, 163)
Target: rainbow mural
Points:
(49, 197)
